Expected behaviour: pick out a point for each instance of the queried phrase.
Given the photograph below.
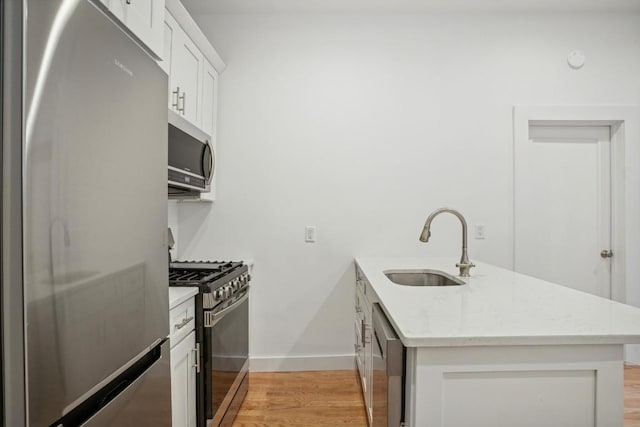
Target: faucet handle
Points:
(465, 267)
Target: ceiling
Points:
(203, 7)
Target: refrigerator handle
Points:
(84, 412)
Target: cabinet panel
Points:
(143, 18)
(116, 7)
(186, 72)
(209, 90)
(171, 29)
(183, 383)
(165, 64)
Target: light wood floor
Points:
(632, 396)
(333, 398)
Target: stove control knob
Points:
(222, 293)
(243, 279)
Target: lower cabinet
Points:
(363, 346)
(184, 364)
(183, 382)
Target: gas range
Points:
(222, 335)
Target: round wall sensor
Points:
(576, 59)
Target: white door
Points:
(143, 17)
(186, 75)
(183, 383)
(563, 206)
(209, 93)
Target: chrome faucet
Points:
(464, 264)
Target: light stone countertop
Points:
(495, 307)
(178, 295)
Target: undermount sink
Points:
(422, 278)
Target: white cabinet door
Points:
(186, 76)
(116, 7)
(144, 18)
(183, 382)
(171, 31)
(209, 98)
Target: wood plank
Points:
(334, 398)
(321, 398)
(632, 396)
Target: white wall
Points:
(362, 125)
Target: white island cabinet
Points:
(503, 349)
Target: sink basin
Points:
(422, 278)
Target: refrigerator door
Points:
(146, 402)
(95, 204)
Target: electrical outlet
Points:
(310, 234)
(480, 232)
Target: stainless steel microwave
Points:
(191, 158)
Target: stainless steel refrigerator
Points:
(84, 220)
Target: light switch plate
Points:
(310, 233)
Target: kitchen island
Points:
(503, 349)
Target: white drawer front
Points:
(182, 321)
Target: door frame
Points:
(624, 121)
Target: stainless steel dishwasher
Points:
(387, 384)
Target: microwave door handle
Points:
(212, 318)
(211, 161)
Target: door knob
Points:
(606, 253)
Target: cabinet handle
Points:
(365, 339)
(184, 322)
(182, 97)
(176, 94)
(197, 357)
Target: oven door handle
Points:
(211, 318)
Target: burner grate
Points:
(186, 273)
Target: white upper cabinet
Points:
(193, 66)
(209, 98)
(171, 27)
(186, 77)
(144, 18)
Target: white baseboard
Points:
(632, 354)
(333, 362)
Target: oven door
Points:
(228, 358)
